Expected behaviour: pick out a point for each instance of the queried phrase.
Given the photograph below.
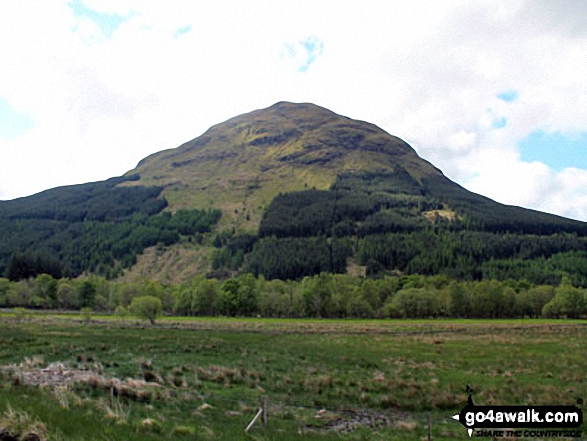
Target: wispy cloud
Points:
(183, 30)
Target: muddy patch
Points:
(55, 374)
(58, 375)
(350, 420)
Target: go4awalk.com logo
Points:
(526, 421)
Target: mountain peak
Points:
(292, 105)
(304, 115)
(288, 106)
(241, 164)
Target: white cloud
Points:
(430, 72)
(512, 182)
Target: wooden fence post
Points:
(261, 413)
(254, 420)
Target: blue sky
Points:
(183, 30)
(106, 21)
(509, 96)
(556, 150)
(314, 48)
(90, 87)
(13, 124)
(500, 123)
(303, 53)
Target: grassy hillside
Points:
(240, 165)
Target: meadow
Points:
(204, 378)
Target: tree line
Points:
(477, 255)
(324, 295)
(98, 227)
(388, 222)
(462, 255)
(106, 247)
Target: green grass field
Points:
(323, 379)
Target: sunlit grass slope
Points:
(241, 164)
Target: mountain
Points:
(286, 191)
(243, 163)
(240, 165)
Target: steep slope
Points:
(241, 164)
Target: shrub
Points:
(568, 302)
(146, 307)
(413, 303)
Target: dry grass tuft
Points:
(115, 410)
(34, 361)
(406, 425)
(67, 397)
(132, 389)
(151, 426)
(379, 376)
(19, 425)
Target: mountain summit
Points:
(241, 164)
